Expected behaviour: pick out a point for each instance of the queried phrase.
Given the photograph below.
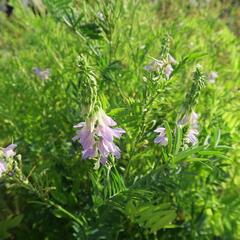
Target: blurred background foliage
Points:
(196, 190)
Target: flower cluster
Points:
(96, 136)
(161, 138)
(5, 155)
(164, 65)
(212, 77)
(42, 74)
(192, 121)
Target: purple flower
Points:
(212, 77)
(6, 153)
(162, 138)
(191, 119)
(85, 135)
(191, 136)
(9, 151)
(171, 59)
(96, 136)
(168, 70)
(164, 65)
(3, 167)
(101, 16)
(154, 66)
(42, 74)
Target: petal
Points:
(213, 75)
(184, 120)
(80, 125)
(3, 167)
(87, 142)
(162, 140)
(191, 136)
(103, 160)
(117, 132)
(171, 59)
(154, 66)
(105, 132)
(105, 119)
(89, 153)
(9, 153)
(103, 148)
(194, 117)
(168, 70)
(75, 138)
(193, 139)
(84, 133)
(157, 139)
(37, 70)
(160, 130)
(86, 137)
(11, 146)
(117, 152)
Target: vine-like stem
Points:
(32, 189)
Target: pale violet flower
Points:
(161, 138)
(168, 70)
(212, 77)
(101, 16)
(3, 167)
(42, 74)
(191, 119)
(164, 65)
(9, 151)
(171, 59)
(5, 154)
(97, 135)
(191, 136)
(154, 66)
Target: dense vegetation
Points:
(146, 64)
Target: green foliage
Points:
(7, 224)
(96, 52)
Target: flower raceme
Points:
(96, 136)
(164, 65)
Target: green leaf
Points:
(189, 152)
(8, 224)
(151, 216)
(166, 220)
(178, 140)
(169, 136)
(196, 159)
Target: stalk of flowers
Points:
(162, 137)
(164, 65)
(96, 135)
(6, 154)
